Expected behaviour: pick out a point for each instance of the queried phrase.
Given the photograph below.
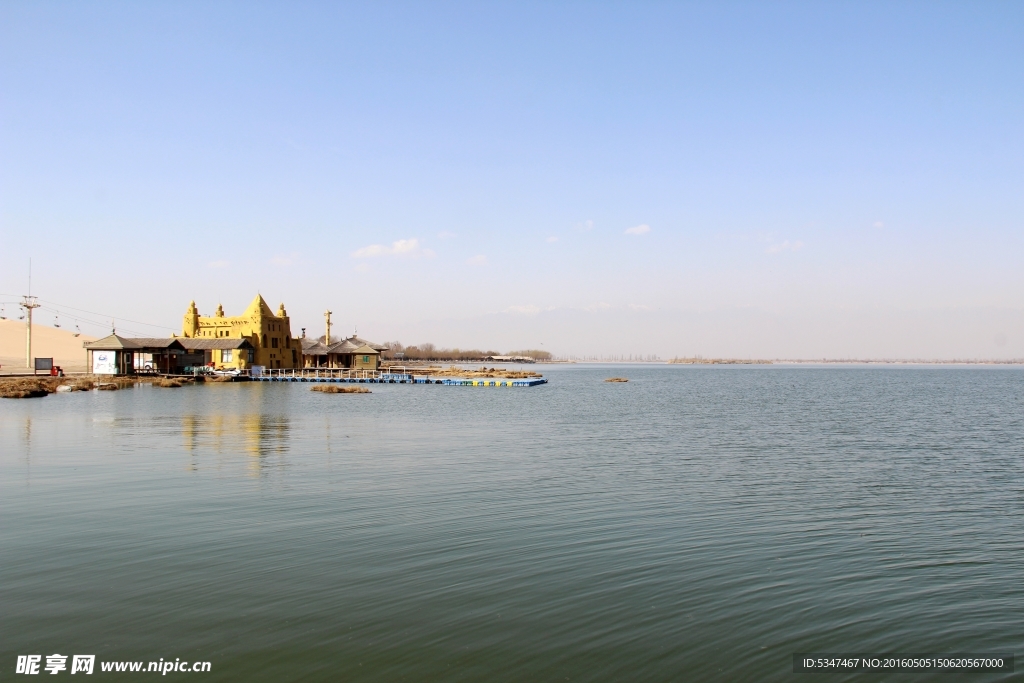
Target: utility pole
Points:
(28, 303)
(327, 339)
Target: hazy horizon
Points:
(735, 180)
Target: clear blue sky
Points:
(800, 180)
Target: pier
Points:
(342, 375)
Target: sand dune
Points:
(47, 342)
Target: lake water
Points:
(697, 523)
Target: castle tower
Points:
(190, 325)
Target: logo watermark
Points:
(86, 664)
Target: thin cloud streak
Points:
(784, 246)
(285, 259)
(410, 247)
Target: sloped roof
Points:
(372, 345)
(196, 344)
(344, 346)
(365, 349)
(315, 348)
(111, 342)
(150, 343)
(354, 343)
(312, 347)
(116, 342)
(259, 306)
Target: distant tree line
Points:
(428, 351)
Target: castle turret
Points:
(190, 325)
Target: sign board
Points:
(104, 362)
(256, 371)
(44, 364)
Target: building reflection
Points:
(263, 438)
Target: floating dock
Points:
(309, 375)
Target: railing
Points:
(387, 376)
(316, 374)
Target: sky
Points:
(770, 180)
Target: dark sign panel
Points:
(44, 364)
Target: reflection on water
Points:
(259, 436)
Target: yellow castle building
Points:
(269, 334)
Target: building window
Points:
(226, 356)
(273, 342)
(366, 359)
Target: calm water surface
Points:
(693, 524)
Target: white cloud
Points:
(601, 306)
(640, 307)
(585, 226)
(641, 229)
(445, 235)
(784, 246)
(371, 251)
(405, 246)
(478, 260)
(529, 309)
(285, 259)
(552, 239)
(523, 310)
(409, 247)
(219, 264)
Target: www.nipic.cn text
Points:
(86, 664)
